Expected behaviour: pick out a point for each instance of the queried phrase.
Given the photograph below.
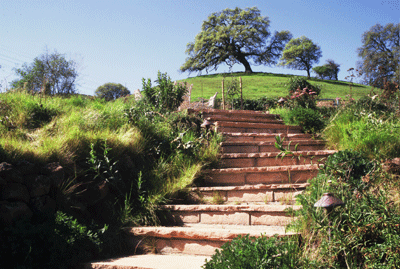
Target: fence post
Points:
(241, 93)
(223, 95)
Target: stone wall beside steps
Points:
(25, 190)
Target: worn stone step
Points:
(235, 113)
(244, 127)
(252, 214)
(263, 137)
(243, 118)
(261, 193)
(151, 261)
(195, 239)
(239, 160)
(260, 147)
(285, 174)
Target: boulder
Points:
(55, 172)
(44, 204)
(38, 185)
(15, 192)
(10, 173)
(12, 211)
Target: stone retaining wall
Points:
(25, 190)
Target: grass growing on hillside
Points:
(143, 155)
(259, 85)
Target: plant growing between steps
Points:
(284, 151)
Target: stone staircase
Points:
(248, 193)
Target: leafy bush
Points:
(167, 96)
(260, 104)
(256, 253)
(308, 118)
(302, 93)
(363, 233)
(61, 242)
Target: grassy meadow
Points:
(270, 85)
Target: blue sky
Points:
(124, 41)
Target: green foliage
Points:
(309, 119)
(329, 70)
(167, 95)
(60, 242)
(39, 115)
(363, 233)
(302, 93)
(301, 53)
(49, 72)
(260, 104)
(380, 53)
(366, 125)
(111, 91)
(261, 252)
(259, 85)
(234, 36)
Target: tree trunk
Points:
(246, 64)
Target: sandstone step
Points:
(151, 261)
(236, 114)
(243, 118)
(245, 127)
(285, 174)
(239, 160)
(253, 214)
(259, 147)
(195, 239)
(261, 193)
(263, 137)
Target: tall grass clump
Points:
(367, 125)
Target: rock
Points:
(211, 102)
(44, 204)
(38, 185)
(26, 168)
(55, 172)
(9, 173)
(94, 193)
(15, 192)
(12, 211)
(138, 95)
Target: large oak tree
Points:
(235, 36)
(380, 54)
(301, 54)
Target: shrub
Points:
(257, 253)
(167, 96)
(302, 93)
(309, 119)
(364, 232)
(61, 242)
(261, 104)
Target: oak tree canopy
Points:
(235, 36)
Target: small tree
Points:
(301, 53)
(235, 36)
(111, 91)
(48, 71)
(329, 70)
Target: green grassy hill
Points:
(259, 85)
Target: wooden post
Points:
(223, 95)
(241, 93)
